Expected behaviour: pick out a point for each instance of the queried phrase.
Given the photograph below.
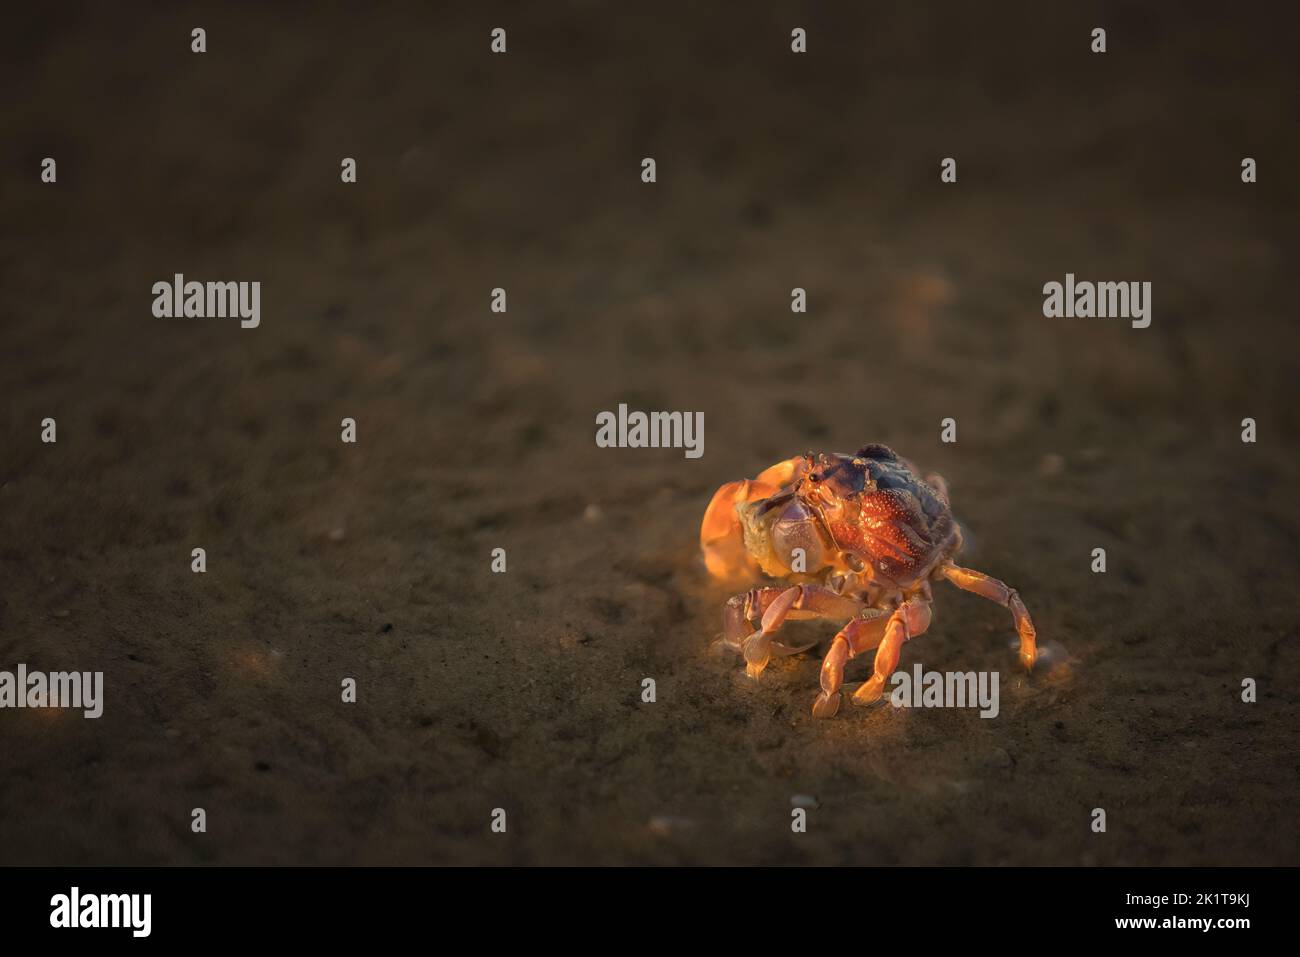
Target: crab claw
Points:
(783, 473)
(721, 540)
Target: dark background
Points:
(476, 430)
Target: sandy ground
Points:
(476, 431)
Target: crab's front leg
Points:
(910, 619)
(970, 580)
(773, 605)
(861, 634)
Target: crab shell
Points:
(868, 514)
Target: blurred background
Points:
(476, 430)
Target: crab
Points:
(857, 537)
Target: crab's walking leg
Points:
(743, 609)
(994, 590)
(773, 605)
(861, 634)
(910, 619)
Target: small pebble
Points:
(998, 758)
(592, 513)
(803, 800)
(1051, 465)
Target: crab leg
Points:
(861, 634)
(773, 605)
(970, 580)
(910, 619)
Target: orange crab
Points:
(856, 536)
